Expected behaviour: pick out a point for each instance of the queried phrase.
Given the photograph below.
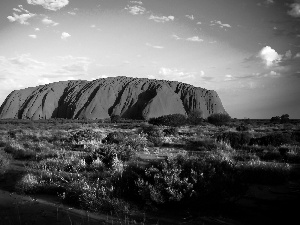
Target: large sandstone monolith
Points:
(135, 98)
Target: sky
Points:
(246, 50)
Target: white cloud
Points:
(135, 10)
(136, 2)
(32, 36)
(272, 74)
(295, 11)
(161, 19)
(195, 39)
(176, 37)
(65, 35)
(202, 73)
(288, 54)
(22, 19)
(199, 23)
(49, 4)
(297, 55)
(218, 22)
(228, 77)
(174, 74)
(191, 17)
(269, 56)
(37, 29)
(72, 13)
(48, 21)
(17, 10)
(154, 46)
(93, 26)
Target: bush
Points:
(4, 162)
(219, 119)
(235, 139)
(243, 127)
(115, 138)
(195, 117)
(274, 139)
(171, 131)
(174, 120)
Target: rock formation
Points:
(134, 98)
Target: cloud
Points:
(72, 13)
(269, 56)
(136, 9)
(37, 29)
(199, 23)
(195, 39)
(266, 3)
(32, 36)
(53, 5)
(295, 11)
(136, 2)
(176, 37)
(174, 74)
(154, 46)
(65, 35)
(191, 17)
(161, 19)
(220, 24)
(48, 21)
(297, 55)
(22, 19)
(17, 10)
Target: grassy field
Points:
(137, 173)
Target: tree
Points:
(219, 119)
(285, 118)
(195, 117)
(275, 119)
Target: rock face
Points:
(135, 98)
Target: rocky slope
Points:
(128, 97)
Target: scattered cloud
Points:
(191, 17)
(32, 36)
(195, 39)
(53, 5)
(22, 19)
(72, 13)
(48, 21)
(161, 19)
(175, 74)
(137, 2)
(269, 56)
(17, 10)
(176, 37)
(65, 35)
(154, 46)
(37, 29)
(297, 55)
(295, 11)
(136, 9)
(220, 24)
(266, 3)
(199, 23)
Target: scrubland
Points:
(144, 173)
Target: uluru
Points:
(133, 98)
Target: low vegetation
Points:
(166, 164)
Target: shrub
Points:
(243, 127)
(219, 119)
(235, 139)
(4, 161)
(275, 139)
(171, 131)
(195, 117)
(115, 119)
(115, 138)
(174, 120)
(202, 144)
